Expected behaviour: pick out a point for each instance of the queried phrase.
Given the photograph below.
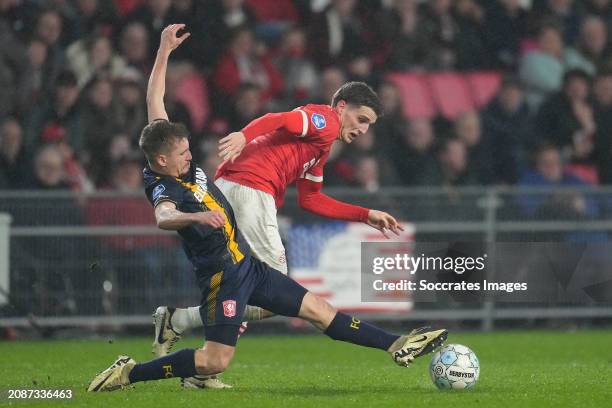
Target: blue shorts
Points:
(225, 295)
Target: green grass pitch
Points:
(519, 369)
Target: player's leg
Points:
(284, 296)
(212, 359)
(224, 298)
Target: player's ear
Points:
(341, 105)
(162, 160)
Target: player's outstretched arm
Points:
(157, 81)
(311, 199)
(169, 218)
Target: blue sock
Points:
(350, 329)
(179, 364)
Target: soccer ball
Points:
(454, 366)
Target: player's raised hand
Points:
(215, 219)
(384, 222)
(231, 146)
(169, 39)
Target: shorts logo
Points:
(229, 308)
(157, 191)
(318, 121)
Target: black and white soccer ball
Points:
(454, 366)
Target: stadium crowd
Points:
(73, 78)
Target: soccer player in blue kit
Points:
(187, 201)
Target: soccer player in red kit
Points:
(260, 161)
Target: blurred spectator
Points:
(280, 11)
(505, 29)
(453, 164)
(15, 162)
(548, 172)
(175, 108)
(402, 41)
(93, 16)
(347, 161)
(99, 122)
(298, 71)
(131, 109)
(13, 71)
(92, 56)
(199, 49)
(566, 118)
(603, 120)
(367, 174)
(223, 17)
(506, 124)
(154, 15)
(593, 45)
(392, 125)
(470, 47)
(48, 30)
(566, 13)
(361, 68)
(441, 31)
(48, 173)
(601, 8)
(467, 128)
(134, 47)
(274, 17)
(242, 63)
(338, 34)
(38, 75)
(414, 157)
(542, 69)
(332, 78)
(248, 105)
(120, 146)
(60, 109)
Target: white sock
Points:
(253, 313)
(188, 318)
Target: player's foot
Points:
(166, 336)
(114, 377)
(416, 344)
(204, 381)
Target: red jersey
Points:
(283, 147)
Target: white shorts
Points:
(255, 213)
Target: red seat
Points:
(193, 92)
(484, 85)
(416, 96)
(451, 93)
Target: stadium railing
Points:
(98, 259)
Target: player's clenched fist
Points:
(215, 219)
(169, 40)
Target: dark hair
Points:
(159, 136)
(576, 73)
(66, 78)
(358, 94)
